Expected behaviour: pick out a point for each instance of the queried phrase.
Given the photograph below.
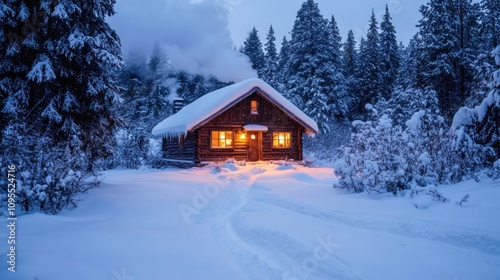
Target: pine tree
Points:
(350, 55)
(448, 33)
(133, 78)
(349, 62)
(338, 99)
(252, 47)
(488, 38)
(477, 129)
(271, 60)
(311, 73)
(283, 69)
(408, 74)
(490, 19)
(336, 43)
(389, 54)
(57, 63)
(370, 68)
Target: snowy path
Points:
(275, 246)
(259, 222)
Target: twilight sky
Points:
(199, 36)
(349, 14)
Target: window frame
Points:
(285, 139)
(225, 139)
(254, 110)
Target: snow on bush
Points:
(51, 179)
(476, 130)
(374, 161)
(386, 155)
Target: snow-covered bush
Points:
(429, 190)
(429, 156)
(477, 130)
(384, 157)
(49, 179)
(375, 159)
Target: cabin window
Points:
(282, 139)
(254, 107)
(222, 139)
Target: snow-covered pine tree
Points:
(312, 72)
(490, 24)
(154, 103)
(133, 79)
(336, 43)
(57, 65)
(338, 98)
(143, 110)
(370, 68)
(284, 68)
(349, 55)
(349, 62)
(359, 109)
(389, 52)
(409, 64)
(252, 47)
(488, 38)
(448, 33)
(270, 72)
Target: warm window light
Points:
(243, 136)
(282, 140)
(222, 139)
(254, 107)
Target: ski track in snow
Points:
(267, 254)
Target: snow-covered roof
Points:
(212, 104)
(255, 127)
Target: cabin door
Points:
(254, 144)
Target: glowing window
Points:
(282, 139)
(222, 139)
(254, 107)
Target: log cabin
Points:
(248, 121)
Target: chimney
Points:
(178, 104)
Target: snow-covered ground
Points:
(260, 221)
